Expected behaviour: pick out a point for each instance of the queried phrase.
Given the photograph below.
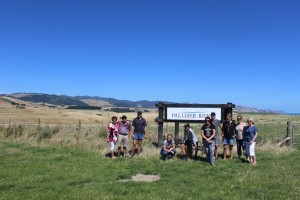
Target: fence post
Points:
(289, 133)
(79, 125)
(176, 132)
(39, 123)
(15, 133)
(160, 124)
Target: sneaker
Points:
(124, 155)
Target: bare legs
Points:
(230, 150)
(139, 146)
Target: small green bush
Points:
(17, 131)
(46, 133)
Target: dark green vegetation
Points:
(28, 172)
(51, 99)
(85, 107)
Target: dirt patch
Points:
(143, 178)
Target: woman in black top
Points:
(208, 132)
(228, 134)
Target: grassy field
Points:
(64, 163)
(29, 172)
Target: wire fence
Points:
(296, 135)
(268, 132)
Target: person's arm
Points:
(132, 130)
(129, 127)
(254, 138)
(173, 147)
(145, 131)
(202, 134)
(165, 148)
(132, 133)
(234, 131)
(222, 129)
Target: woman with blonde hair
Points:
(251, 134)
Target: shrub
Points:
(17, 131)
(46, 133)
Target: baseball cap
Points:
(212, 114)
(139, 112)
(187, 125)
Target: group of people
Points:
(119, 131)
(245, 135)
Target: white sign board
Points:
(191, 114)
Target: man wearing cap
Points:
(139, 132)
(190, 139)
(217, 123)
(124, 129)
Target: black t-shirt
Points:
(208, 130)
(229, 129)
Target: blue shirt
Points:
(250, 133)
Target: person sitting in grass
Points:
(168, 147)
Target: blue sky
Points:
(201, 51)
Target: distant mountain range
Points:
(85, 101)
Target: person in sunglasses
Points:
(208, 132)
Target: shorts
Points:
(139, 136)
(123, 140)
(112, 146)
(229, 141)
